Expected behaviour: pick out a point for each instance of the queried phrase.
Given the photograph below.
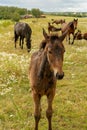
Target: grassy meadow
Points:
(16, 104)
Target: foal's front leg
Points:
(73, 38)
(49, 111)
(37, 109)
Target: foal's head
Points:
(54, 52)
(75, 22)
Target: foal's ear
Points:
(45, 34)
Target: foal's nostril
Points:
(59, 76)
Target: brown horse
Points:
(72, 29)
(85, 36)
(44, 71)
(61, 21)
(52, 28)
(78, 35)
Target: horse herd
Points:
(23, 30)
(46, 65)
(63, 27)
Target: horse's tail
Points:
(15, 37)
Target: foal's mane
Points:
(51, 37)
(71, 24)
(54, 37)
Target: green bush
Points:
(16, 17)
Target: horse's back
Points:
(22, 28)
(85, 36)
(18, 28)
(64, 27)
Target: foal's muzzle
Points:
(59, 76)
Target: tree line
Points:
(70, 14)
(15, 13)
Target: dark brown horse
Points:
(51, 28)
(44, 71)
(73, 27)
(61, 21)
(23, 30)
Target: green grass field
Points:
(16, 104)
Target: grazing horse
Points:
(72, 29)
(61, 21)
(85, 36)
(52, 28)
(23, 30)
(44, 71)
(78, 35)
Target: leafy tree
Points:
(10, 12)
(16, 17)
(36, 12)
